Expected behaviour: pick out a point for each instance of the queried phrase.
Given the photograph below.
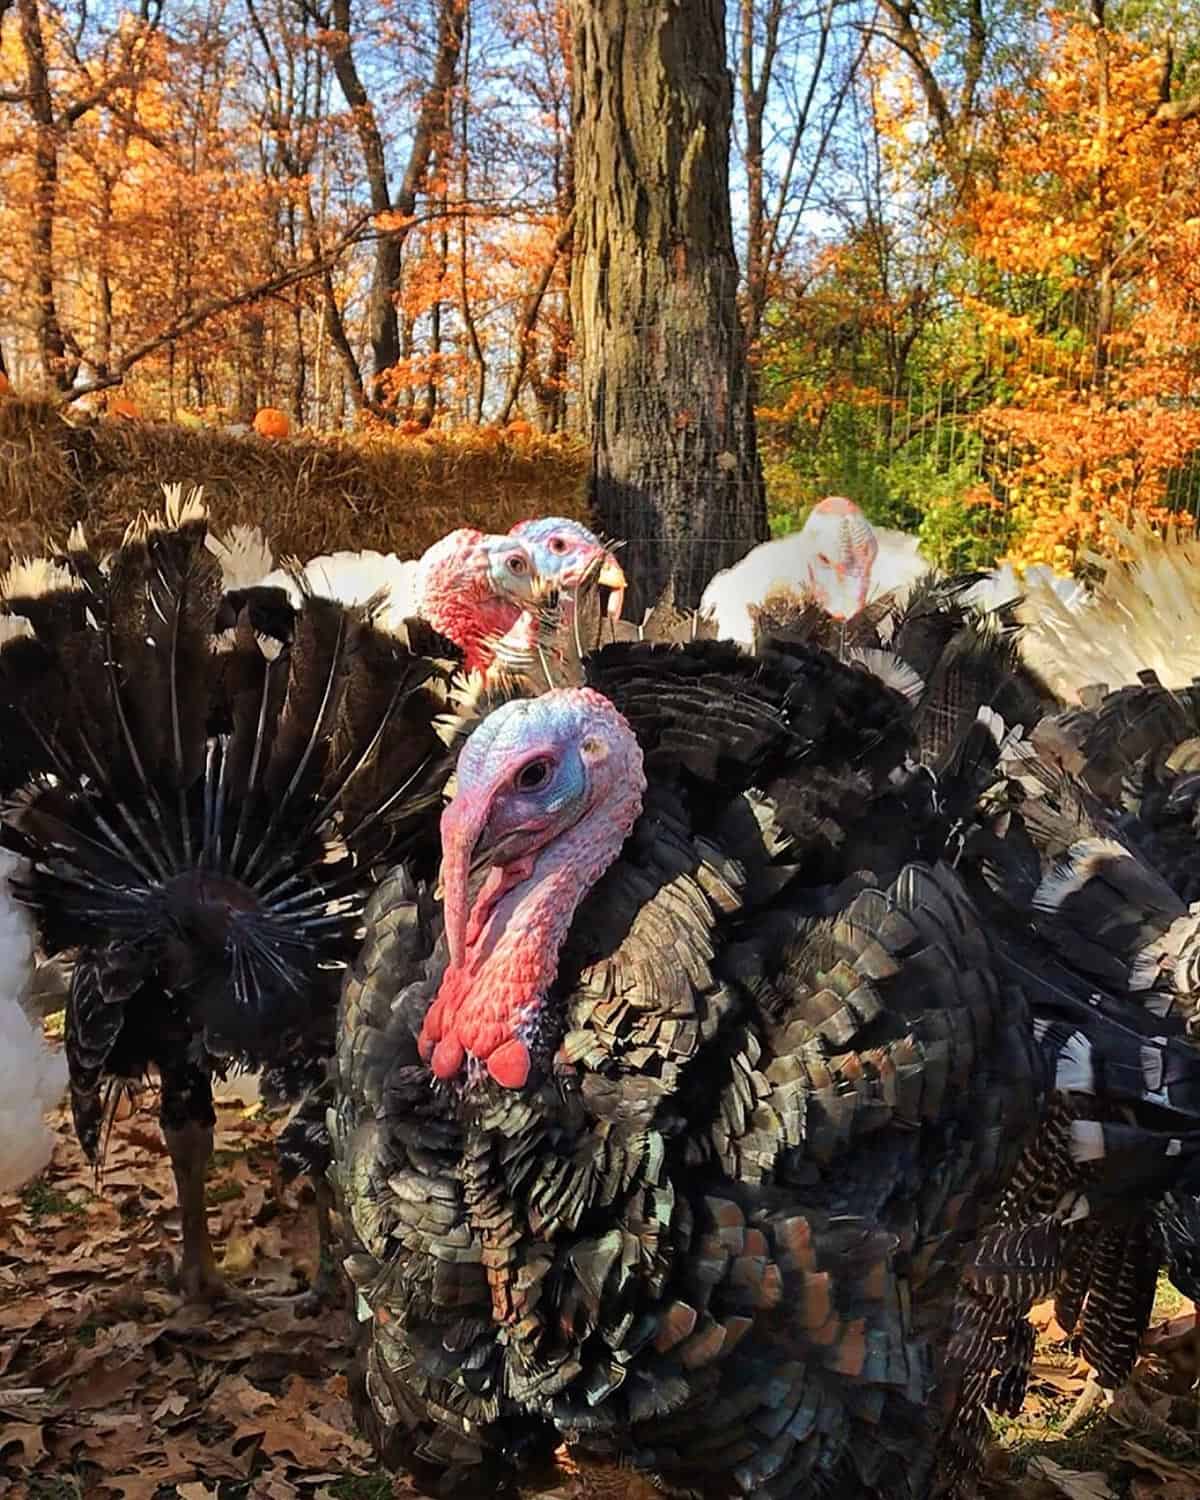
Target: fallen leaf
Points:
(21, 1442)
(239, 1255)
(1076, 1486)
(1164, 1468)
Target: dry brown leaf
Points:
(1076, 1486)
(1142, 1488)
(132, 1486)
(21, 1443)
(1165, 1468)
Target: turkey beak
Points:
(463, 824)
(612, 577)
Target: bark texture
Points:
(664, 383)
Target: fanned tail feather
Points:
(202, 782)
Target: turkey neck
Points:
(488, 1006)
(475, 623)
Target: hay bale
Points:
(45, 466)
(310, 494)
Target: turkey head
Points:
(567, 554)
(474, 588)
(840, 557)
(548, 790)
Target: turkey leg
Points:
(187, 1118)
(328, 1287)
(190, 1147)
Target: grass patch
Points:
(42, 1201)
(223, 1192)
(377, 1486)
(1168, 1302)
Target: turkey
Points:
(202, 783)
(842, 564)
(32, 1077)
(1111, 958)
(670, 1133)
(829, 559)
(474, 596)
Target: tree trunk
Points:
(1105, 294)
(52, 345)
(383, 320)
(664, 385)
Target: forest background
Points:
(968, 239)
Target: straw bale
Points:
(309, 494)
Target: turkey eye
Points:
(516, 565)
(532, 776)
(557, 544)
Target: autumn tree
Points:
(393, 203)
(1093, 204)
(663, 377)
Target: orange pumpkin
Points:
(270, 422)
(121, 406)
(5, 385)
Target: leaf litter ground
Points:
(112, 1389)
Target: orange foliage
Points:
(1094, 196)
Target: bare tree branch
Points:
(529, 317)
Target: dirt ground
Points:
(110, 1389)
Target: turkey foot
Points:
(190, 1147)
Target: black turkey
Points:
(672, 1135)
(202, 784)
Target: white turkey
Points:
(829, 560)
(841, 563)
(33, 1078)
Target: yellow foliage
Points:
(1092, 189)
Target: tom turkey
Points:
(671, 1133)
(202, 783)
(1108, 956)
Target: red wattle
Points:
(509, 1064)
(448, 1057)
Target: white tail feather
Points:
(1144, 614)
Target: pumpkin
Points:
(121, 406)
(5, 385)
(270, 422)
